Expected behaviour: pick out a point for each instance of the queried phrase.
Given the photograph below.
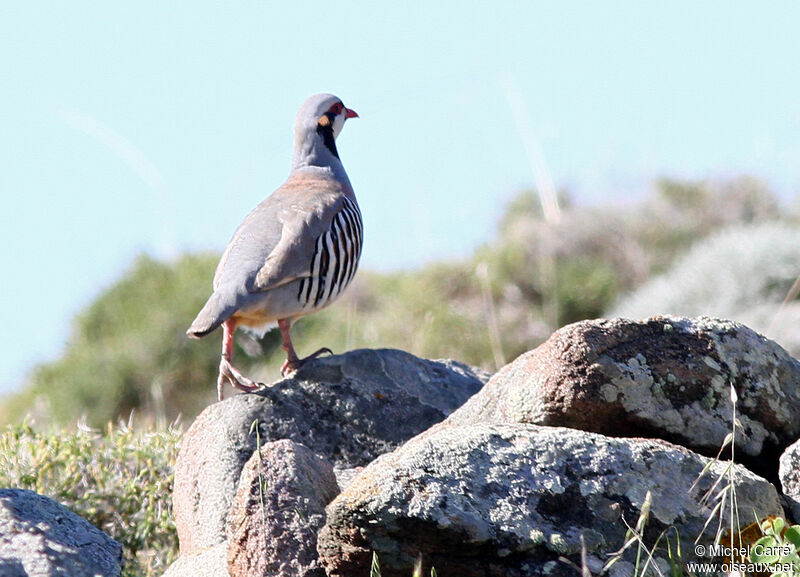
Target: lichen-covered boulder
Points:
(789, 473)
(663, 377)
(508, 500)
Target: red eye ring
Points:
(337, 108)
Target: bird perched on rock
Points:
(296, 252)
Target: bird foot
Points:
(230, 374)
(291, 366)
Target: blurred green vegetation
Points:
(128, 350)
(118, 479)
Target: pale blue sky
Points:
(157, 126)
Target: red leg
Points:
(285, 326)
(227, 372)
(291, 356)
(293, 362)
(228, 329)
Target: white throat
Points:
(310, 150)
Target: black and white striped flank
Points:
(335, 261)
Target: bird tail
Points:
(214, 313)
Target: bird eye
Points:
(337, 108)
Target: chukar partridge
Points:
(296, 252)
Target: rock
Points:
(789, 473)
(278, 509)
(777, 321)
(345, 476)
(348, 408)
(664, 377)
(39, 537)
(210, 562)
(508, 500)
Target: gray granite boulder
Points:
(664, 377)
(348, 408)
(509, 500)
(42, 538)
(277, 512)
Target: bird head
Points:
(319, 121)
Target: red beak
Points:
(350, 113)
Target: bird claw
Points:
(292, 366)
(230, 374)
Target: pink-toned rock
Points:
(204, 563)
(278, 509)
(664, 377)
(213, 451)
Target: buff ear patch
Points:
(324, 121)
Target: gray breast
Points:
(335, 260)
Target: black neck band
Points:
(326, 130)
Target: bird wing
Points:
(274, 245)
(291, 257)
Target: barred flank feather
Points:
(335, 259)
